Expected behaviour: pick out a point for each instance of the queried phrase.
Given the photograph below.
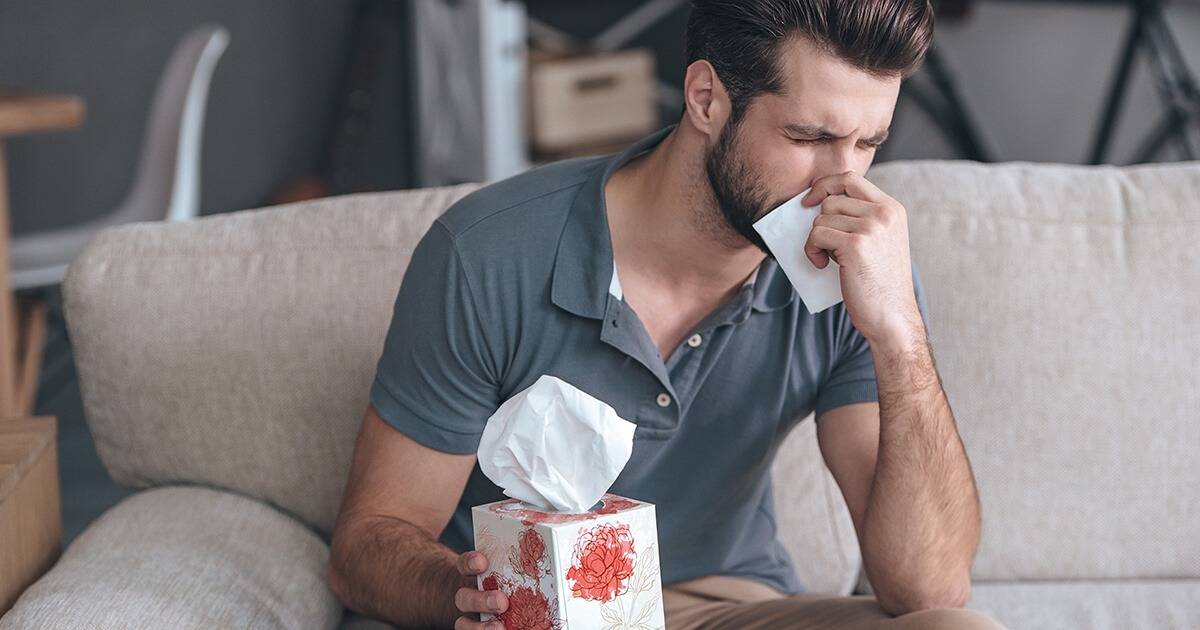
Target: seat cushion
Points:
(185, 557)
(1095, 605)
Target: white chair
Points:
(167, 182)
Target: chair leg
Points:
(8, 323)
(1149, 32)
(1175, 83)
(944, 105)
(33, 336)
(1116, 93)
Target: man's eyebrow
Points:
(818, 131)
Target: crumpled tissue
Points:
(554, 446)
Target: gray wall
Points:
(1034, 74)
(268, 103)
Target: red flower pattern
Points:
(491, 583)
(528, 609)
(533, 549)
(602, 562)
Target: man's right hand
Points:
(472, 600)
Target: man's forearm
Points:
(922, 521)
(390, 569)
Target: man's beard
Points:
(736, 189)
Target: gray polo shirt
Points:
(516, 280)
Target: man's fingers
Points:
(841, 204)
(849, 183)
(466, 623)
(844, 223)
(473, 600)
(823, 241)
(472, 563)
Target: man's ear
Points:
(707, 103)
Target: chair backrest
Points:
(166, 184)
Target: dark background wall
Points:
(267, 106)
(1033, 73)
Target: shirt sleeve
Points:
(436, 380)
(852, 378)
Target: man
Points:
(638, 278)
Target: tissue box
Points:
(572, 570)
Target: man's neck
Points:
(665, 224)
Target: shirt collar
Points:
(583, 264)
(614, 286)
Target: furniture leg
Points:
(8, 324)
(33, 336)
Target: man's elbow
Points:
(335, 577)
(335, 581)
(953, 596)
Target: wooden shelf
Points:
(23, 112)
(30, 508)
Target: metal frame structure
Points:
(1174, 80)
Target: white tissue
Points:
(785, 230)
(554, 446)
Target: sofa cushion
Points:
(237, 350)
(1095, 605)
(1064, 306)
(814, 524)
(184, 557)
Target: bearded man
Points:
(638, 278)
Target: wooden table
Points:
(22, 330)
(30, 509)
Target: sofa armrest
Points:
(185, 557)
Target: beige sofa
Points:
(225, 365)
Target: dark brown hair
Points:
(742, 38)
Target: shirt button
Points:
(663, 400)
(695, 340)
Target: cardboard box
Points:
(589, 100)
(572, 571)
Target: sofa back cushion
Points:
(237, 350)
(1065, 321)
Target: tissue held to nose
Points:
(554, 446)
(785, 230)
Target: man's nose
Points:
(838, 159)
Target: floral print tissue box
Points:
(572, 570)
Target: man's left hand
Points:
(866, 232)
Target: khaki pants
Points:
(721, 601)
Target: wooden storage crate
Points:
(30, 512)
(592, 100)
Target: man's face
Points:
(829, 119)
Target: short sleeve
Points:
(852, 378)
(436, 380)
